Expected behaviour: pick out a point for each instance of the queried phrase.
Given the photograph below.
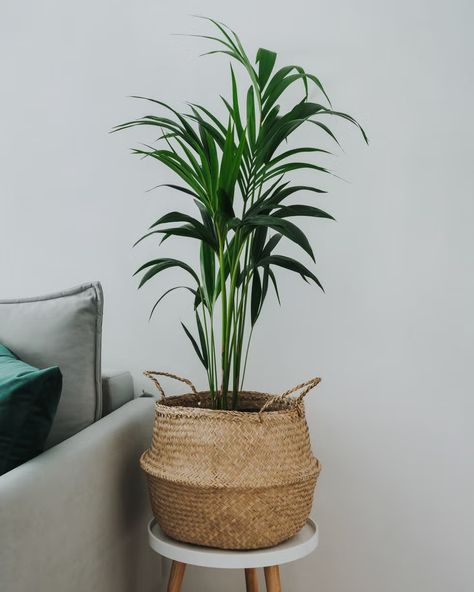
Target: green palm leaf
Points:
(284, 227)
(158, 265)
(166, 294)
(201, 354)
(291, 265)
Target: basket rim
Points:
(163, 408)
(270, 485)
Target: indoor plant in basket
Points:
(220, 475)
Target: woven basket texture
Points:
(230, 479)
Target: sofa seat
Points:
(74, 518)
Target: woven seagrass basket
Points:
(231, 479)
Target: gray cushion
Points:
(64, 330)
(117, 389)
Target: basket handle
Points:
(152, 373)
(306, 386)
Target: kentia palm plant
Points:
(235, 170)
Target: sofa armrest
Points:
(117, 389)
(74, 518)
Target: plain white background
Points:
(392, 337)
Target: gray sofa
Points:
(74, 518)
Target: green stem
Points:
(239, 380)
(246, 356)
(224, 365)
(214, 359)
(234, 351)
(210, 368)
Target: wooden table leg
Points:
(251, 579)
(272, 578)
(176, 576)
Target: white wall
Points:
(392, 337)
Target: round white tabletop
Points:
(299, 546)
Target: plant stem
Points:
(210, 368)
(246, 357)
(224, 365)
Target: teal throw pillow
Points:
(28, 401)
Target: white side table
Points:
(270, 559)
